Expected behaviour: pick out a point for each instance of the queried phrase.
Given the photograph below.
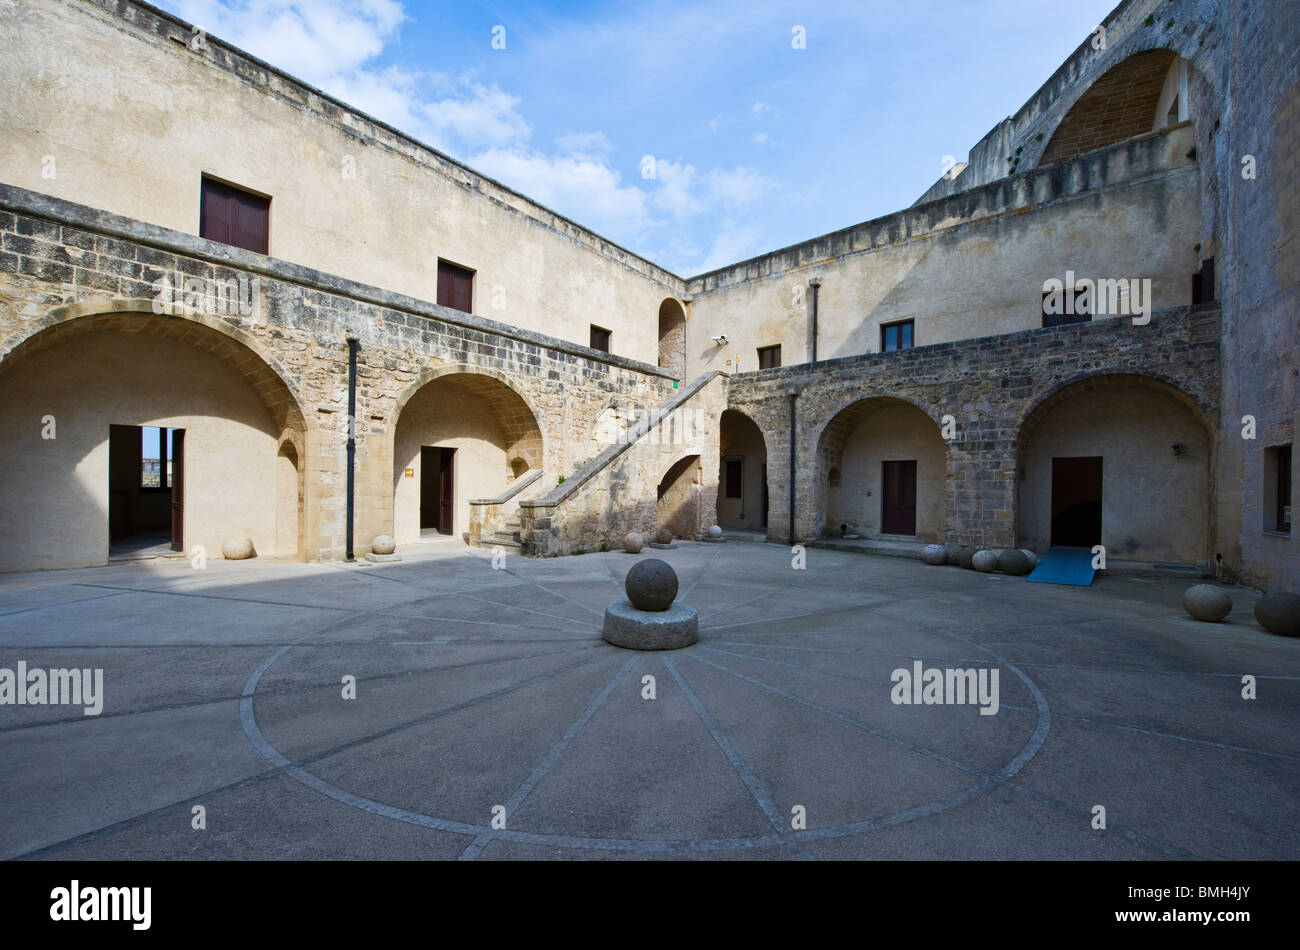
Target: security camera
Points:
(720, 339)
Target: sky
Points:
(694, 134)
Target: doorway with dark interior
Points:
(437, 490)
(146, 491)
(1076, 502)
(898, 497)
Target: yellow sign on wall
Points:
(410, 473)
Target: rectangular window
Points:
(455, 287)
(733, 477)
(896, 336)
(234, 216)
(769, 357)
(599, 338)
(1279, 459)
(1062, 307)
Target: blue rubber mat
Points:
(1064, 566)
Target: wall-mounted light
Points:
(720, 339)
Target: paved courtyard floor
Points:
(485, 693)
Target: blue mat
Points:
(1064, 566)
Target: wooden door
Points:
(898, 498)
(178, 483)
(446, 490)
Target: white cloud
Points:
(758, 138)
(760, 108)
(733, 242)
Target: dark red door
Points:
(898, 501)
(178, 483)
(446, 490)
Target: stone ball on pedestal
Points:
(715, 531)
(383, 544)
(651, 584)
(1207, 602)
(663, 536)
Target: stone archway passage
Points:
(1137, 443)
(679, 498)
(672, 337)
(882, 472)
(742, 474)
(170, 375)
(478, 432)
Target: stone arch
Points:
(672, 336)
(1150, 495)
(479, 431)
(741, 439)
(1119, 104)
(678, 507)
(105, 368)
(891, 466)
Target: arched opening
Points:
(459, 436)
(882, 472)
(672, 337)
(1122, 461)
(1145, 92)
(678, 508)
(742, 473)
(159, 440)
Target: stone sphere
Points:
(383, 544)
(984, 561)
(237, 547)
(663, 536)
(651, 584)
(715, 531)
(1013, 562)
(1031, 557)
(1206, 602)
(959, 554)
(1279, 613)
(632, 543)
(934, 554)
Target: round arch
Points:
(171, 430)
(672, 336)
(742, 472)
(1117, 459)
(679, 495)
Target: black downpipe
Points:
(353, 345)
(815, 284)
(793, 396)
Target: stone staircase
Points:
(507, 537)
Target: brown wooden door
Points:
(1076, 501)
(898, 498)
(178, 483)
(446, 490)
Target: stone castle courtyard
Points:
(485, 694)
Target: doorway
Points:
(898, 497)
(1076, 501)
(146, 490)
(764, 522)
(437, 489)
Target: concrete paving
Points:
(491, 722)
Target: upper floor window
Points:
(769, 357)
(1066, 306)
(234, 216)
(455, 287)
(896, 336)
(599, 338)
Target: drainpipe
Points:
(353, 345)
(815, 283)
(794, 394)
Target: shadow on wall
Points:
(678, 508)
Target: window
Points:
(234, 216)
(733, 477)
(599, 338)
(769, 357)
(155, 457)
(455, 287)
(896, 336)
(1066, 306)
(1278, 471)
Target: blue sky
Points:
(756, 144)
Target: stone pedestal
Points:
(633, 629)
